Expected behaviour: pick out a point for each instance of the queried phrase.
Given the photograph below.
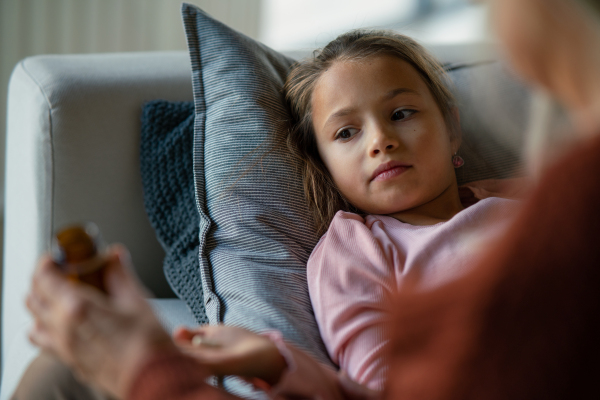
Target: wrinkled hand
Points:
(228, 350)
(103, 338)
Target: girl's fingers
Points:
(199, 344)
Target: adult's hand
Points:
(103, 338)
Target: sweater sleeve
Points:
(171, 375)
(524, 323)
(350, 279)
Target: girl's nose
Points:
(383, 140)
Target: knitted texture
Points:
(168, 183)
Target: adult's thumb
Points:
(121, 282)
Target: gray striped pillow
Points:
(255, 233)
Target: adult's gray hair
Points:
(543, 136)
(594, 5)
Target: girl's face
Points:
(381, 135)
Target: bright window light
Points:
(305, 25)
(288, 25)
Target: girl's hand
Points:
(104, 339)
(228, 350)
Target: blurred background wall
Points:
(31, 27)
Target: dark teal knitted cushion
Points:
(168, 182)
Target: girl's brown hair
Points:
(324, 198)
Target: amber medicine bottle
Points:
(78, 250)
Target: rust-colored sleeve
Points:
(525, 324)
(171, 375)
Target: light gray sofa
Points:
(72, 155)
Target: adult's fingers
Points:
(52, 298)
(184, 335)
(354, 390)
(41, 316)
(187, 334)
(122, 283)
(39, 337)
(59, 318)
(35, 305)
(48, 280)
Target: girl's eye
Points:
(399, 115)
(346, 133)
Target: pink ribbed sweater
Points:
(360, 262)
(351, 272)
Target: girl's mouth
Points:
(389, 170)
(390, 173)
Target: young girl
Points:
(378, 134)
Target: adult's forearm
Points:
(171, 375)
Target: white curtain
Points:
(31, 27)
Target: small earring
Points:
(457, 161)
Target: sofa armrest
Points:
(73, 129)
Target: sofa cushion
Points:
(494, 116)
